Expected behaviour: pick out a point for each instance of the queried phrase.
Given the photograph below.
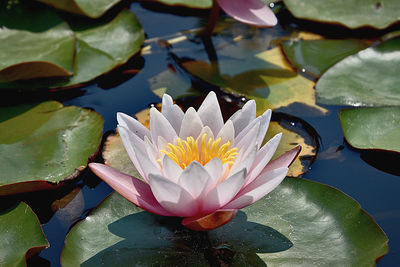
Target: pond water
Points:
(337, 164)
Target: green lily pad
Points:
(42, 145)
(372, 128)
(316, 56)
(300, 223)
(187, 3)
(368, 78)
(21, 235)
(92, 8)
(350, 13)
(41, 52)
(100, 46)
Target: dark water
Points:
(337, 164)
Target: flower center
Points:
(186, 151)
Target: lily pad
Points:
(273, 85)
(368, 78)
(350, 13)
(92, 8)
(100, 47)
(41, 52)
(372, 128)
(187, 3)
(300, 223)
(21, 235)
(316, 56)
(44, 144)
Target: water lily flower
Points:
(195, 166)
(252, 12)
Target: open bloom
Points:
(253, 12)
(196, 166)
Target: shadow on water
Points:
(150, 240)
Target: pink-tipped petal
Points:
(129, 187)
(224, 192)
(210, 221)
(210, 113)
(227, 133)
(284, 160)
(191, 124)
(263, 156)
(173, 113)
(244, 116)
(173, 197)
(195, 180)
(160, 126)
(172, 171)
(260, 187)
(252, 12)
(264, 124)
(215, 169)
(133, 125)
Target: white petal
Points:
(133, 125)
(173, 197)
(127, 138)
(171, 112)
(224, 192)
(160, 126)
(227, 133)
(263, 156)
(246, 130)
(210, 113)
(249, 138)
(195, 180)
(243, 117)
(206, 130)
(260, 187)
(215, 169)
(246, 161)
(151, 151)
(264, 123)
(172, 170)
(191, 124)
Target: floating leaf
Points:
(316, 56)
(273, 86)
(46, 51)
(299, 223)
(45, 144)
(187, 3)
(92, 8)
(21, 235)
(368, 78)
(372, 128)
(350, 13)
(100, 47)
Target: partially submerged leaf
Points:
(45, 52)
(92, 8)
(372, 128)
(21, 235)
(300, 223)
(368, 78)
(45, 145)
(316, 56)
(350, 13)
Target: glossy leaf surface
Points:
(44, 49)
(368, 78)
(350, 13)
(21, 235)
(316, 56)
(280, 230)
(45, 143)
(372, 128)
(187, 3)
(93, 8)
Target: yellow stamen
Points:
(202, 150)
